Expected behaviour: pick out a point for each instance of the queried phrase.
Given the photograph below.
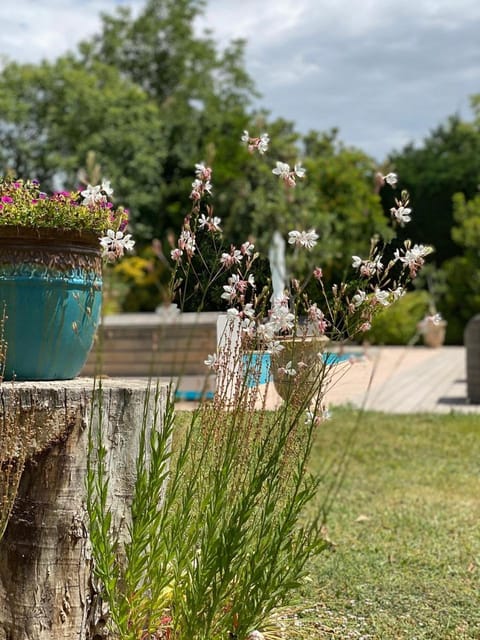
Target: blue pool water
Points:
(262, 369)
(193, 395)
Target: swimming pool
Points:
(259, 365)
(261, 370)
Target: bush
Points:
(461, 299)
(398, 324)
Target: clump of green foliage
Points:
(217, 541)
(397, 324)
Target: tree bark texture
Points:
(46, 586)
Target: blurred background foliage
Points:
(150, 98)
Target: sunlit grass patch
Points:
(405, 526)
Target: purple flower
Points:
(7, 199)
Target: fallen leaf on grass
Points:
(362, 518)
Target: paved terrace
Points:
(391, 379)
(405, 380)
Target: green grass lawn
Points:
(405, 528)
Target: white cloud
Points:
(259, 22)
(35, 29)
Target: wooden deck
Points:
(149, 344)
(407, 380)
(388, 379)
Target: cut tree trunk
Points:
(46, 586)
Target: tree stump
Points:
(46, 586)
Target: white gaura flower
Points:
(317, 417)
(391, 179)
(186, 242)
(209, 223)
(200, 186)
(92, 195)
(368, 268)
(215, 223)
(211, 361)
(359, 298)
(203, 172)
(230, 259)
(248, 327)
(281, 318)
(106, 188)
(435, 319)
(283, 171)
(383, 297)
(247, 248)
(401, 214)
(263, 143)
(376, 265)
(299, 170)
(398, 293)
(203, 221)
(428, 321)
(275, 347)
(176, 255)
(248, 309)
(356, 262)
(115, 243)
(230, 289)
(307, 239)
(260, 143)
(414, 257)
(266, 332)
(288, 370)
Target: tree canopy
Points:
(448, 162)
(151, 98)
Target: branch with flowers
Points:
(343, 312)
(193, 270)
(222, 547)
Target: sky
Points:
(384, 72)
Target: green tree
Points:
(460, 299)
(53, 115)
(448, 162)
(151, 98)
(147, 95)
(202, 93)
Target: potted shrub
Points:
(432, 328)
(51, 252)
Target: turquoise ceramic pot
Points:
(51, 290)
